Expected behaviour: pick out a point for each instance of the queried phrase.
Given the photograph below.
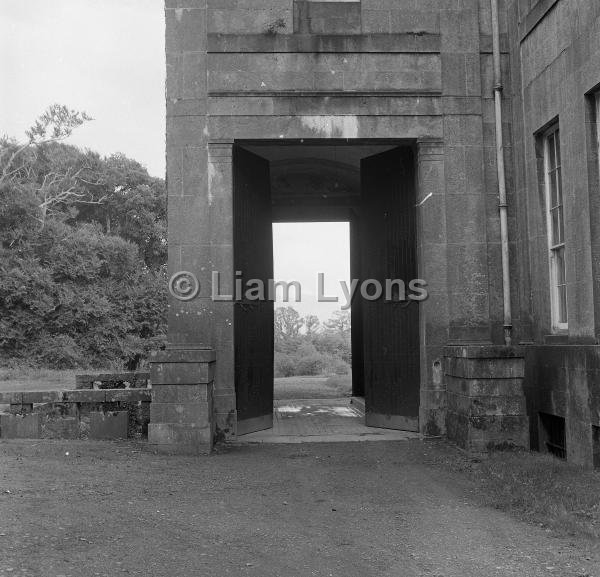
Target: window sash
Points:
(555, 225)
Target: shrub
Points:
(309, 365)
(285, 365)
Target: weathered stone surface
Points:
(109, 425)
(181, 413)
(196, 414)
(20, 426)
(85, 396)
(61, 428)
(192, 373)
(175, 438)
(486, 405)
(179, 393)
(128, 395)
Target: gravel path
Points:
(346, 509)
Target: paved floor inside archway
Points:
(321, 420)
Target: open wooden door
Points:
(253, 319)
(390, 329)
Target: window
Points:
(556, 228)
(553, 435)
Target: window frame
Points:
(551, 145)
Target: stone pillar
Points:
(186, 147)
(181, 413)
(486, 404)
(432, 259)
(468, 282)
(220, 191)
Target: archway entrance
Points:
(372, 186)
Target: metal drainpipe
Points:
(502, 205)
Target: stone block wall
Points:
(182, 410)
(564, 381)
(555, 65)
(486, 404)
(77, 414)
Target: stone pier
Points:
(181, 414)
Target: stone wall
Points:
(418, 71)
(78, 414)
(486, 404)
(555, 62)
(564, 380)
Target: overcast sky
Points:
(107, 57)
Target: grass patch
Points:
(544, 490)
(341, 383)
(38, 379)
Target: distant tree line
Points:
(82, 252)
(305, 346)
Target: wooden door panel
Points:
(390, 328)
(253, 320)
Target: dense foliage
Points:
(304, 347)
(82, 252)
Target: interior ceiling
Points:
(315, 173)
(344, 153)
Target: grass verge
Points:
(544, 490)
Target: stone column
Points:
(220, 192)
(466, 234)
(181, 413)
(188, 203)
(486, 404)
(432, 259)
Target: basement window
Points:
(552, 429)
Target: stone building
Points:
(441, 130)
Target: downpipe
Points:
(502, 203)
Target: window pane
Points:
(561, 225)
(553, 190)
(562, 305)
(561, 286)
(555, 224)
(559, 185)
(551, 153)
(559, 262)
(557, 142)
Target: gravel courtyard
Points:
(346, 509)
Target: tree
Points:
(20, 164)
(88, 286)
(312, 324)
(288, 322)
(339, 323)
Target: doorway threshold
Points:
(321, 421)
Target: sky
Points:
(102, 56)
(303, 250)
(106, 57)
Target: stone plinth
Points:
(486, 404)
(181, 413)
